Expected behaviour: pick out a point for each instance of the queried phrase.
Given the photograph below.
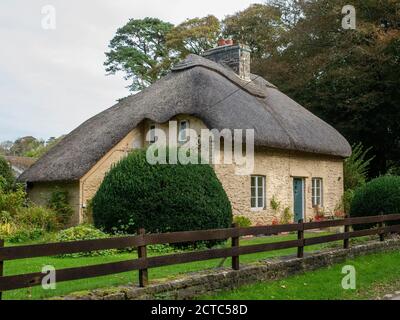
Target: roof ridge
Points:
(193, 61)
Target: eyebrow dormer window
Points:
(182, 133)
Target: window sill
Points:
(257, 209)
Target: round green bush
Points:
(160, 198)
(380, 196)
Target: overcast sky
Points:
(53, 80)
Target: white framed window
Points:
(317, 191)
(258, 192)
(182, 131)
(152, 129)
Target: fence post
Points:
(235, 243)
(346, 242)
(300, 236)
(1, 265)
(382, 225)
(142, 253)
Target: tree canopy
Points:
(194, 36)
(139, 49)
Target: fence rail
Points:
(143, 262)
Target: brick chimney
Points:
(234, 56)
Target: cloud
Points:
(53, 80)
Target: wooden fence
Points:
(143, 262)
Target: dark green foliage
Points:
(139, 50)
(380, 196)
(59, 202)
(349, 78)
(6, 172)
(160, 198)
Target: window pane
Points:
(260, 202)
(316, 191)
(257, 192)
(253, 181)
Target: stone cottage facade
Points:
(298, 158)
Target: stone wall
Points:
(40, 192)
(279, 168)
(203, 283)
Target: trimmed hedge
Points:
(160, 198)
(380, 196)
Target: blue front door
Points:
(298, 199)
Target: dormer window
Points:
(182, 132)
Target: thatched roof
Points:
(206, 90)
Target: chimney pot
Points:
(221, 42)
(229, 42)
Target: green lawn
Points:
(36, 264)
(376, 275)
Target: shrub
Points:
(275, 204)
(6, 172)
(356, 167)
(11, 201)
(59, 202)
(27, 223)
(242, 221)
(38, 217)
(22, 235)
(343, 207)
(160, 198)
(83, 232)
(287, 216)
(380, 196)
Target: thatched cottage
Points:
(298, 157)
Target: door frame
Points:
(303, 181)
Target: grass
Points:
(35, 265)
(376, 275)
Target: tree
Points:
(194, 36)
(349, 78)
(139, 50)
(6, 173)
(5, 147)
(24, 145)
(259, 26)
(43, 148)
